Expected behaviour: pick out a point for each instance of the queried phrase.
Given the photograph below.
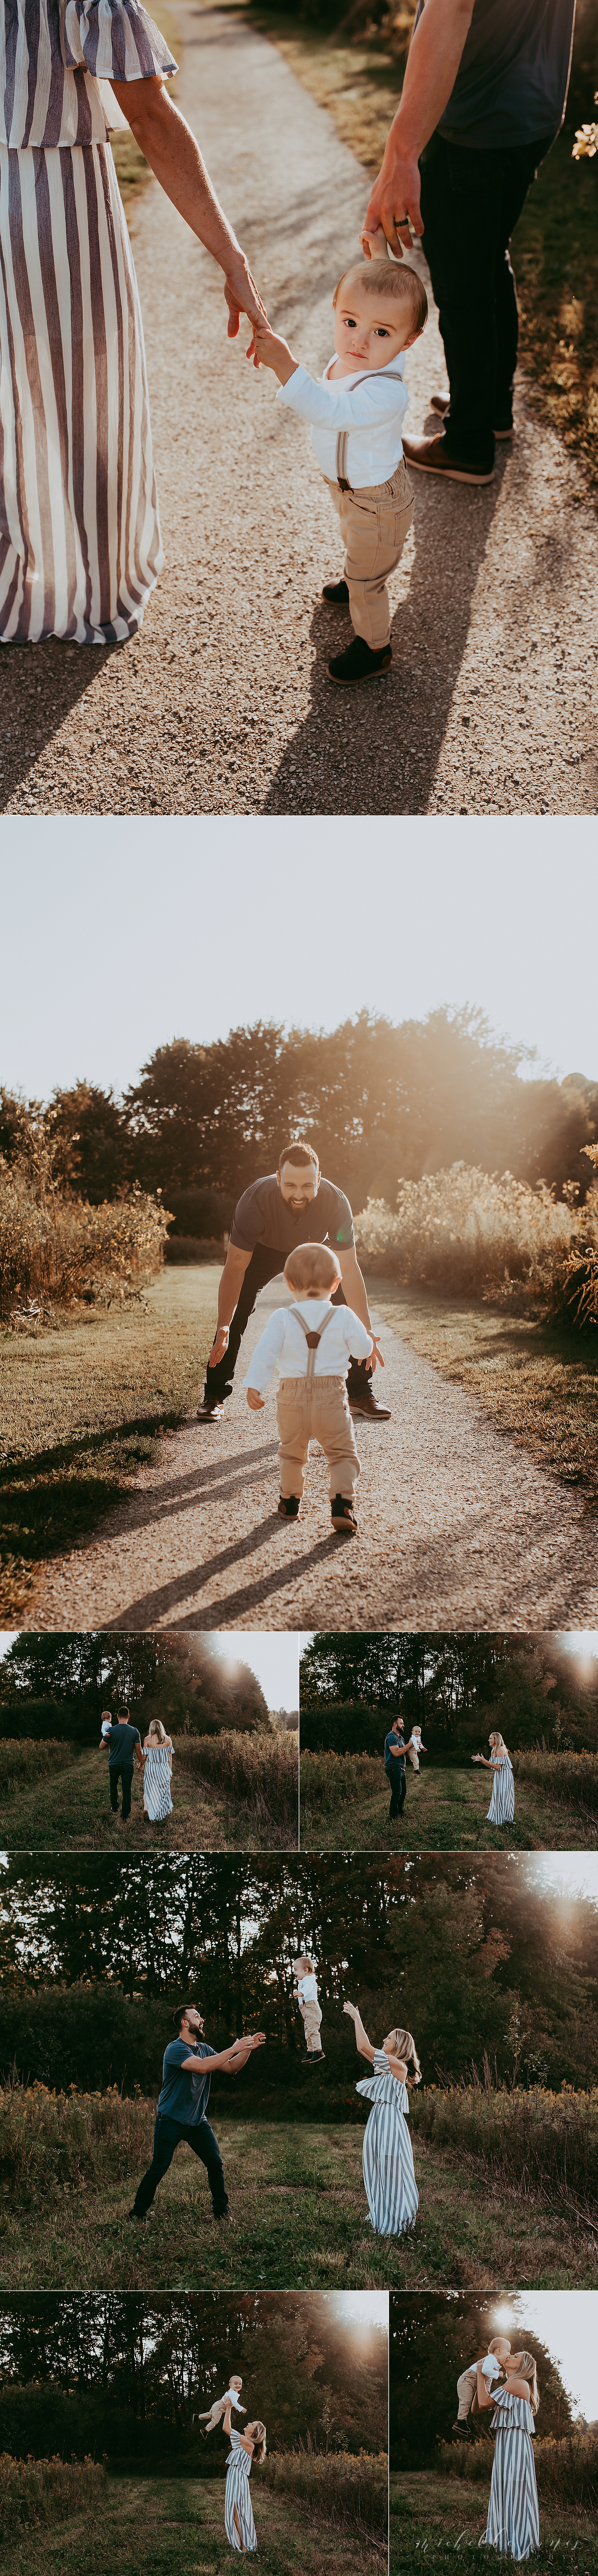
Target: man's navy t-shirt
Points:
(184, 2097)
(392, 1761)
(262, 1216)
(511, 85)
(120, 1744)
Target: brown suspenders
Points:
(312, 1339)
(345, 434)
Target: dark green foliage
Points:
(124, 2374)
(457, 1686)
(474, 1953)
(179, 1679)
(432, 2339)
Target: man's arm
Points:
(166, 140)
(354, 1286)
(229, 2060)
(433, 63)
(229, 1291)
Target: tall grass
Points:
(566, 2470)
(55, 1250)
(570, 1779)
(330, 1780)
(260, 1771)
(69, 2139)
(471, 1231)
(38, 2491)
(537, 2141)
(22, 1760)
(338, 2487)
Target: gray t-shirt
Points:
(184, 2097)
(262, 1216)
(121, 1744)
(513, 77)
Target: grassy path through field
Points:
(148, 2526)
(444, 1811)
(300, 2222)
(432, 2517)
(69, 1810)
(458, 1526)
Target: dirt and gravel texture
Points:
(458, 1527)
(222, 705)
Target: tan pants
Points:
(374, 525)
(316, 1408)
(311, 2018)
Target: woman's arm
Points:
(226, 2419)
(166, 140)
(364, 2044)
(398, 2067)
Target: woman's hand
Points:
(241, 295)
(351, 2009)
(255, 1401)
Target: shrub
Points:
(538, 2139)
(470, 1231)
(22, 1761)
(338, 2487)
(330, 1780)
(260, 1769)
(36, 2491)
(69, 2140)
(566, 2471)
(55, 1249)
(571, 1779)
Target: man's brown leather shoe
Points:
(432, 456)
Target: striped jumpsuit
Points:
(502, 1804)
(237, 2493)
(80, 546)
(513, 2523)
(393, 2197)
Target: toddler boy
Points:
(219, 2404)
(496, 2356)
(312, 1342)
(356, 412)
(305, 1988)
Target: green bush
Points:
(68, 1721)
(37, 2491)
(350, 1728)
(23, 1761)
(538, 2138)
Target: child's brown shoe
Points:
(289, 1507)
(344, 1516)
(336, 594)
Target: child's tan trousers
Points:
(374, 525)
(316, 1408)
(311, 2018)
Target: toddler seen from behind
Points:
(311, 1343)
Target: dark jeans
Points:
(470, 203)
(263, 1266)
(121, 1771)
(397, 1782)
(167, 2136)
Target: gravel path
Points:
(457, 1528)
(222, 705)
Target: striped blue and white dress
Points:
(513, 2523)
(502, 1804)
(237, 2493)
(393, 2197)
(80, 546)
(156, 1783)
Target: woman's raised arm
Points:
(364, 2044)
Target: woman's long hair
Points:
(259, 2438)
(498, 1744)
(526, 2369)
(156, 1733)
(404, 2046)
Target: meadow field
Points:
(507, 2193)
(231, 1792)
(433, 2518)
(79, 2518)
(345, 1801)
(536, 1378)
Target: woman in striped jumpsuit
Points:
(502, 1804)
(80, 546)
(157, 1766)
(238, 2518)
(513, 2523)
(393, 2197)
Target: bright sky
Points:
(566, 2321)
(364, 2307)
(575, 1872)
(119, 939)
(274, 1659)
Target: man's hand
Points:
(395, 198)
(376, 1360)
(241, 295)
(271, 351)
(219, 1345)
(256, 1402)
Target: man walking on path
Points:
(124, 1747)
(182, 2106)
(290, 1206)
(483, 99)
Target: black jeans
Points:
(470, 203)
(263, 1266)
(167, 2136)
(121, 1771)
(397, 1782)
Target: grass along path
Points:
(175, 2527)
(537, 1382)
(433, 2518)
(300, 2219)
(445, 1810)
(65, 1804)
(83, 1406)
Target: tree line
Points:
(381, 1103)
(456, 1686)
(432, 2339)
(122, 2375)
(472, 1954)
(58, 1684)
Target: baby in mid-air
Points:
(214, 2413)
(306, 1991)
(356, 413)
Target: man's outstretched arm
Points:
(166, 140)
(432, 66)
